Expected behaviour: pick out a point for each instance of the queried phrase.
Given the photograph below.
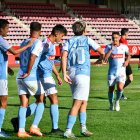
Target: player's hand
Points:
(24, 75)
(59, 80)
(67, 79)
(30, 43)
(125, 64)
(100, 62)
(10, 71)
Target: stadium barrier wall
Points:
(14, 60)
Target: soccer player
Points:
(129, 74)
(28, 82)
(46, 67)
(76, 59)
(115, 54)
(4, 48)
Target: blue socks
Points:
(31, 109)
(82, 118)
(2, 114)
(71, 121)
(22, 117)
(54, 115)
(119, 95)
(111, 98)
(38, 114)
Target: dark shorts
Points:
(128, 70)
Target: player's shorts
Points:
(80, 86)
(49, 85)
(113, 78)
(3, 87)
(128, 70)
(29, 87)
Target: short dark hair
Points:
(35, 26)
(3, 23)
(115, 33)
(79, 27)
(124, 31)
(59, 28)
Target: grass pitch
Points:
(106, 125)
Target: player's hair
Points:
(35, 26)
(115, 33)
(79, 27)
(59, 28)
(124, 31)
(3, 23)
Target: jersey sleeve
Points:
(37, 48)
(65, 46)
(93, 45)
(4, 45)
(107, 48)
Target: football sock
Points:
(38, 114)
(119, 95)
(54, 115)
(22, 117)
(111, 98)
(71, 121)
(82, 118)
(31, 109)
(2, 114)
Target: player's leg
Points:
(38, 115)
(3, 104)
(71, 119)
(30, 111)
(120, 86)
(80, 91)
(54, 112)
(129, 79)
(111, 84)
(24, 99)
(83, 118)
(49, 86)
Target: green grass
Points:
(123, 125)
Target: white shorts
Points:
(49, 85)
(29, 87)
(113, 79)
(3, 87)
(80, 86)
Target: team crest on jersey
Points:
(117, 56)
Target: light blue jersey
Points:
(47, 59)
(78, 48)
(4, 46)
(35, 49)
(117, 58)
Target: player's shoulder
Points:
(38, 41)
(3, 41)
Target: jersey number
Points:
(25, 58)
(78, 55)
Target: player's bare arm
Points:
(102, 55)
(107, 55)
(30, 65)
(57, 75)
(13, 51)
(64, 67)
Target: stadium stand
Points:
(101, 20)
